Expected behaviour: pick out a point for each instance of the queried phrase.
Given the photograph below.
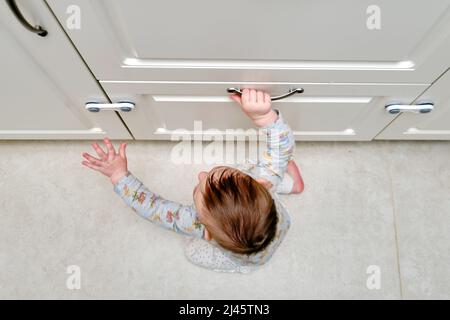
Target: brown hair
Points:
(241, 212)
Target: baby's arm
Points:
(168, 214)
(280, 141)
(280, 146)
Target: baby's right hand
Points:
(257, 105)
(111, 164)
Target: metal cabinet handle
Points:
(37, 29)
(290, 93)
(395, 108)
(118, 106)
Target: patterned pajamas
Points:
(183, 219)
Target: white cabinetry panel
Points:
(45, 84)
(262, 41)
(322, 112)
(434, 125)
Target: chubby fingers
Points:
(236, 97)
(92, 166)
(122, 151)
(245, 95)
(260, 96)
(100, 151)
(255, 96)
(252, 95)
(110, 147)
(92, 160)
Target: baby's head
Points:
(238, 212)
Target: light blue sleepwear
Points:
(183, 218)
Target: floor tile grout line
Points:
(395, 223)
(396, 238)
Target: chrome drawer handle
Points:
(290, 93)
(395, 108)
(37, 29)
(119, 106)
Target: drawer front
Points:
(291, 41)
(434, 125)
(322, 112)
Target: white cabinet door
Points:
(432, 125)
(44, 83)
(262, 41)
(322, 112)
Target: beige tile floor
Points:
(384, 204)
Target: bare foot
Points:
(293, 171)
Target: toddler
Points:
(236, 221)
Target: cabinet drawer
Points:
(321, 112)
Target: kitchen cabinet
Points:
(262, 41)
(45, 83)
(426, 126)
(176, 59)
(173, 61)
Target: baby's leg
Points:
(294, 172)
(292, 181)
